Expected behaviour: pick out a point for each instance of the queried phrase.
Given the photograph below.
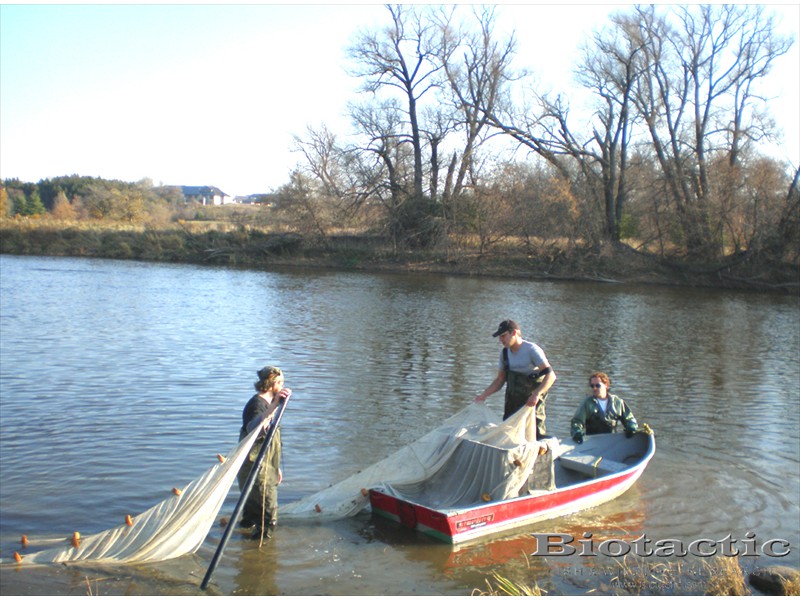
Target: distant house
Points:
(264, 199)
(205, 194)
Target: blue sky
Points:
(193, 94)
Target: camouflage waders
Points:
(266, 485)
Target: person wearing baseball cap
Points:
(525, 371)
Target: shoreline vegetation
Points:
(662, 170)
(717, 576)
(234, 242)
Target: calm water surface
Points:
(121, 380)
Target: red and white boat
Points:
(567, 478)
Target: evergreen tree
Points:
(34, 204)
(20, 205)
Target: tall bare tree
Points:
(609, 69)
(478, 69)
(596, 164)
(695, 95)
(403, 57)
(381, 126)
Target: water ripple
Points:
(119, 381)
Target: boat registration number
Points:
(474, 522)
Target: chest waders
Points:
(601, 422)
(518, 390)
(261, 506)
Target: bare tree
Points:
(332, 175)
(309, 212)
(758, 47)
(381, 125)
(690, 76)
(610, 69)
(694, 94)
(597, 164)
(402, 57)
(478, 70)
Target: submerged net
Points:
(470, 458)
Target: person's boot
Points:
(268, 533)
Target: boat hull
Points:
(459, 525)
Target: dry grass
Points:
(725, 577)
(506, 587)
(721, 576)
(793, 587)
(89, 591)
(643, 578)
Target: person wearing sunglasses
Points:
(600, 412)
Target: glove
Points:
(629, 431)
(578, 437)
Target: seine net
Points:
(471, 455)
(470, 458)
(174, 527)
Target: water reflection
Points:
(121, 380)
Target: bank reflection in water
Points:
(608, 523)
(146, 368)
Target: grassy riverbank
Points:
(718, 576)
(241, 245)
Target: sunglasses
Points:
(595, 385)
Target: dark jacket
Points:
(589, 417)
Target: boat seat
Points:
(593, 466)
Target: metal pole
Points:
(248, 486)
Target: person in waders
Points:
(526, 373)
(600, 412)
(261, 507)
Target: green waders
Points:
(263, 497)
(518, 390)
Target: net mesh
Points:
(174, 527)
(468, 458)
(470, 455)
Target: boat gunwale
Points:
(456, 511)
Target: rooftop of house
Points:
(202, 190)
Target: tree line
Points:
(76, 197)
(455, 147)
(668, 159)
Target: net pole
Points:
(248, 486)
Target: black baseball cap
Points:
(507, 325)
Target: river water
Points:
(118, 381)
